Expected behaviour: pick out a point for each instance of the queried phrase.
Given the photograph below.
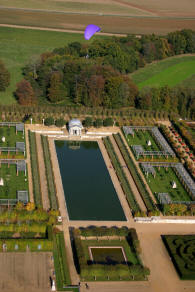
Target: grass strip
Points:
(121, 176)
(49, 173)
(35, 169)
(60, 262)
(135, 174)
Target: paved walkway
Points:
(64, 213)
(43, 179)
(128, 175)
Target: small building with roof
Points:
(75, 127)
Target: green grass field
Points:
(162, 183)
(10, 137)
(12, 182)
(142, 138)
(19, 46)
(172, 71)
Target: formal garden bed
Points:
(148, 144)
(163, 183)
(12, 181)
(127, 267)
(181, 249)
(9, 138)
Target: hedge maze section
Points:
(181, 249)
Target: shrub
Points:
(108, 122)
(49, 121)
(60, 122)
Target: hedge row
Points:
(49, 173)
(90, 271)
(38, 228)
(103, 231)
(121, 176)
(181, 251)
(35, 169)
(135, 174)
(60, 262)
(38, 215)
(24, 244)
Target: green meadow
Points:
(19, 46)
(172, 72)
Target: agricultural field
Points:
(12, 182)
(162, 183)
(181, 250)
(172, 72)
(99, 7)
(117, 24)
(20, 46)
(130, 7)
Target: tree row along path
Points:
(30, 186)
(43, 180)
(138, 168)
(128, 175)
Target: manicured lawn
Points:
(162, 183)
(172, 71)
(142, 138)
(20, 46)
(107, 255)
(99, 253)
(181, 250)
(108, 264)
(12, 182)
(10, 136)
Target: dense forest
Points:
(97, 74)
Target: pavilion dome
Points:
(75, 122)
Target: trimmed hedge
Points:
(45, 244)
(60, 262)
(35, 169)
(181, 250)
(121, 176)
(49, 173)
(90, 271)
(135, 174)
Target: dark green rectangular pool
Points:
(88, 189)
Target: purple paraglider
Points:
(90, 30)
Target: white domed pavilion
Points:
(75, 127)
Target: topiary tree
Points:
(88, 122)
(60, 122)
(108, 122)
(49, 121)
(98, 123)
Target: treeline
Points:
(178, 100)
(96, 74)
